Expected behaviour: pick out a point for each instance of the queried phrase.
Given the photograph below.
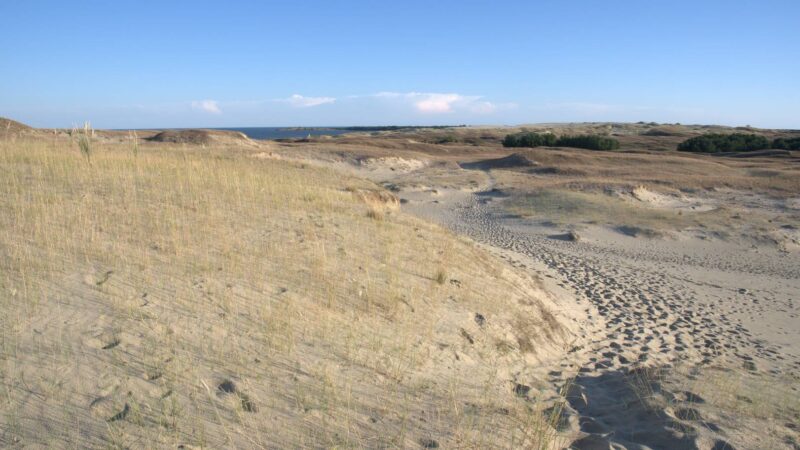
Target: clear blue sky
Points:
(199, 63)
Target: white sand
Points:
(649, 303)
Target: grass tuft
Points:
(84, 138)
(376, 213)
(441, 276)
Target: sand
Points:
(662, 309)
(283, 295)
(181, 296)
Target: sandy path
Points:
(655, 303)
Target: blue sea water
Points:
(286, 133)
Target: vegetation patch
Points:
(188, 298)
(12, 126)
(183, 137)
(718, 143)
(787, 143)
(199, 137)
(566, 207)
(528, 139)
(588, 141)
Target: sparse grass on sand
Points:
(566, 207)
(166, 295)
(756, 409)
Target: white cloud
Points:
(416, 103)
(444, 103)
(438, 103)
(300, 101)
(431, 102)
(387, 95)
(209, 106)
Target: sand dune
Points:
(681, 331)
(203, 137)
(392, 291)
(202, 298)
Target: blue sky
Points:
(195, 63)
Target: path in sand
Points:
(657, 302)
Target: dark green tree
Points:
(787, 143)
(717, 143)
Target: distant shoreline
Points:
(271, 133)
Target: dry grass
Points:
(134, 289)
(580, 186)
(570, 207)
(573, 186)
(586, 169)
(379, 202)
(757, 409)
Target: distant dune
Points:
(12, 126)
(194, 136)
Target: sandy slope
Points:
(683, 303)
(242, 296)
(685, 266)
(197, 297)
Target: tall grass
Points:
(134, 142)
(131, 291)
(84, 139)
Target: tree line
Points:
(707, 143)
(735, 142)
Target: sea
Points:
(286, 133)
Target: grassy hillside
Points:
(163, 295)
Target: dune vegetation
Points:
(587, 141)
(734, 142)
(161, 295)
(205, 290)
(786, 143)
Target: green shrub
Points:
(446, 139)
(528, 139)
(716, 143)
(787, 143)
(591, 142)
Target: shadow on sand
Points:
(614, 411)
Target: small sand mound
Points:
(198, 137)
(393, 163)
(785, 238)
(511, 161)
(183, 137)
(665, 201)
(644, 195)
